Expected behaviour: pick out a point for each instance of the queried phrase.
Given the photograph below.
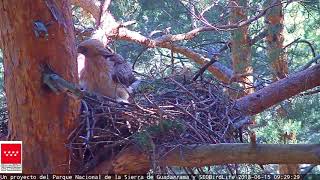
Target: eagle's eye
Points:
(108, 57)
(83, 50)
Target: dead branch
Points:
(92, 7)
(314, 60)
(220, 71)
(214, 59)
(310, 92)
(299, 40)
(210, 27)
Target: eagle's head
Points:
(93, 48)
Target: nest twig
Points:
(163, 115)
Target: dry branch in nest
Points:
(163, 115)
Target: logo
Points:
(11, 157)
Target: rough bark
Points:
(278, 60)
(278, 91)
(241, 49)
(38, 117)
(287, 138)
(277, 57)
(132, 160)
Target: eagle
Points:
(105, 72)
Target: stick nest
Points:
(163, 114)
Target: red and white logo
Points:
(10, 153)
(11, 157)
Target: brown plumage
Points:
(105, 72)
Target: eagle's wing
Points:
(122, 72)
(105, 52)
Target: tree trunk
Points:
(278, 59)
(289, 168)
(241, 50)
(39, 118)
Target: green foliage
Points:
(166, 127)
(306, 109)
(301, 22)
(274, 128)
(145, 139)
(302, 120)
